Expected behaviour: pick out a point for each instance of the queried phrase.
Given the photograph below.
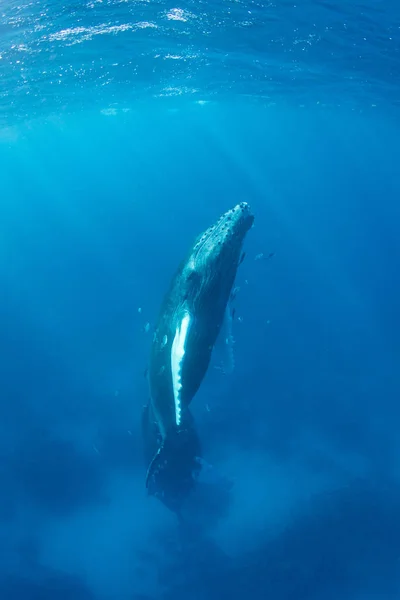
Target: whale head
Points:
(221, 243)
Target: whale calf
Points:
(189, 321)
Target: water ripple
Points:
(54, 56)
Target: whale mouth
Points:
(230, 229)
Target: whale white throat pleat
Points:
(178, 349)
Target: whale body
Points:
(189, 321)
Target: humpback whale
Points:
(189, 321)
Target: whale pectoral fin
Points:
(154, 467)
(223, 354)
(178, 351)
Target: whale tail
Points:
(172, 473)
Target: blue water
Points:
(126, 129)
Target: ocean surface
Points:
(126, 129)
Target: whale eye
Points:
(193, 277)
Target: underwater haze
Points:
(126, 129)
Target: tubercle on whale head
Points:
(226, 235)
